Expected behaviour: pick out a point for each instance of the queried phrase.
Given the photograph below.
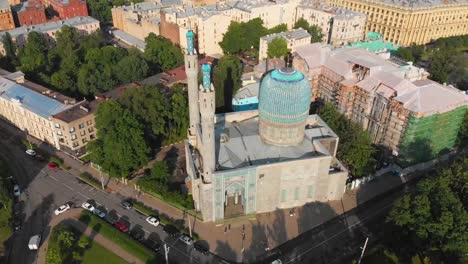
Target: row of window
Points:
(296, 193)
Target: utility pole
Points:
(189, 225)
(100, 175)
(166, 252)
(363, 250)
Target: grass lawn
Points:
(123, 240)
(5, 206)
(98, 254)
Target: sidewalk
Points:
(263, 231)
(70, 218)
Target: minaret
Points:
(207, 111)
(191, 69)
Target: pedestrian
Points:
(225, 229)
(229, 226)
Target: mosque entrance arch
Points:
(234, 200)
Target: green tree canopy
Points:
(120, 147)
(277, 48)
(161, 53)
(160, 171)
(33, 56)
(244, 36)
(277, 29)
(179, 116)
(10, 52)
(227, 81)
(314, 30)
(131, 68)
(66, 40)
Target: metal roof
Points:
(290, 35)
(40, 104)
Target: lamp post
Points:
(100, 175)
(363, 250)
(166, 252)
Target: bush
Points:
(28, 145)
(56, 160)
(89, 179)
(162, 192)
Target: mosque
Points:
(261, 160)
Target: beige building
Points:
(138, 19)
(84, 25)
(339, 26)
(392, 100)
(405, 21)
(44, 114)
(6, 16)
(294, 38)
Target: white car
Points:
(152, 221)
(62, 209)
(99, 213)
(186, 239)
(88, 206)
(16, 190)
(31, 152)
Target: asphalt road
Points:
(44, 190)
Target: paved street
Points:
(44, 191)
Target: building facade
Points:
(294, 38)
(31, 13)
(258, 161)
(339, 26)
(394, 101)
(404, 21)
(6, 16)
(43, 113)
(84, 25)
(68, 8)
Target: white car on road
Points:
(62, 209)
(16, 190)
(186, 239)
(152, 220)
(99, 213)
(31, 152)
(88, 206)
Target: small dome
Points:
(283, 108)
(190, 34)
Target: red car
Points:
(52, 166)
(121, 226)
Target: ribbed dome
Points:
(283, 107)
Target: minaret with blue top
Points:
(207, 112)
(191, 69)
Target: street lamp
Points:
(100, 175)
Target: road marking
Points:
(84, 196)
(146, 230)
(67, 186)
(55, 179)
(341, 232)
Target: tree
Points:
(277, 48)
(100, 9)
(161, 53)
(150, 107)
(254, 30)
(66, 40)
(120, 147)
(434, 216)
(66, 78)
(462, 138)
(179, 117)
(10, 51)
(131, 68)
(33, 56)
(405, 54)
(227, 81)
(160, 171)
(53, 256)
(234, 39)
(277, 29)
(314, 30)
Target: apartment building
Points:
(339, 26)
(411, 21)
(85, 25)
(294, 38)
(6, 16)
(138, 19)
(31, 13)
(395, 102)
(44, 114)
(68, 8)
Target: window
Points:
(72, 129)
(75, 144)
(73, 136)
(84, 140)
(59, 132)
(310, 191)
(90, 129)
(296, 193)
(283, 196)
(89, 122)
(81, 126)
(91, 136)
(82, 132)
(57, 125)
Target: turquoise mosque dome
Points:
(283, 108)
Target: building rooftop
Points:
(78, 111)
(43, 104)
(31, 4)
(200, 11)
(247, 6)
(129, 39)
(238, 144)
(337, 12)
(289, 35)
(421, 3)
(4, 4)
(374, 43)
(51, 26)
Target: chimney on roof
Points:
(84, 108)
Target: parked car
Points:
(99, 213)
(171, 230)
(17, 208)
(277, 261)
(34, 242)
(137, 235)
(31, 152)
(152, 221)
(186, 239)
(52, 166)
(121, 226)
(200, 247)
(39, 157)
(126, 204)
(112, 218)
(16, 190)
(88, 206)
(62, 209)
(153, 245)
(17, 223)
